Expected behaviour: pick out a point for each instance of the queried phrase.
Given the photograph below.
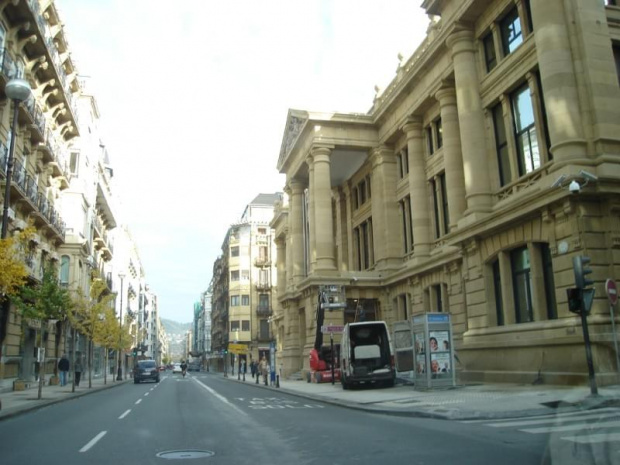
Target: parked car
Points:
(145, 369)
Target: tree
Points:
(89, 315)
(44, 300)
(13, 272)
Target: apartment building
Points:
(487, 164)
(33, 48)
(244, 283)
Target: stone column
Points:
(311, 222)
(289, 238)
(555, 61)
(471, 123)
(322, 203)
(341, 226)
(281, 264)
(420, 215)
(385, 222)
(296, 230)
(349, 227)
(453, 159)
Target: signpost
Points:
(331, 329)
(612, 294)
(238, 349)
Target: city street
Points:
(240, 423)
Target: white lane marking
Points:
(593, 438)
(152, 388)
(220, 397)
(578, 427)
(146, 393)
(124, 414)
(93, 441)
(138, 401)
(592, 416)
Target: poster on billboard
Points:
(420, 367)
(439, 341)
(440, 363)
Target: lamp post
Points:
(119, 374)
(18, 90)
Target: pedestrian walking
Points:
(264, 370)
(253, 368)
(77, 369)
(63, 369)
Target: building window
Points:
(402, 306)
(552, 311)
(616, 50)
(403, 163)
(234, 326)
(510, 28)
(264, 330)
(74, 163)
(368, 184)
(525, 131)
(245, 300)
(245, 325)
(522, 284)
(407, 224)
(234, 251)
(438, 134)
(356, 204)
(234, 300)
(497, 287)
(64, 270)
(501, 145)
(440, 204)
(234, 275)
(245, 275)
(361, 189)
(429, 141)
(262, 231)
(364, 245)
(490, 58)
(263, 301)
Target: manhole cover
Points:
(185, 454)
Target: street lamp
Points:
(119, 374)
(17, 90)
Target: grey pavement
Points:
(18, 402)
(463, 402)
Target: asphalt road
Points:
(241, 424)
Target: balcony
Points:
(263, 310)
(44, 43)
(262, 261)
(263, 286)
(263, 336)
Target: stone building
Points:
(487, 164)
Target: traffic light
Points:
(581, 270)
(575, 298)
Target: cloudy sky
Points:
(194, 96)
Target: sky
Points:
(194, 95)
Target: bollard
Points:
(257, 377)
(277, 381)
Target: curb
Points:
(431, 412)
(38, 404)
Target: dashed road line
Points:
(93, 441)
(124, 414)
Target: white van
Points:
(366, 355)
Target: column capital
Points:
(382, 154)
(294, 186)
(462, 40)
(321, 150)
(446, 96)
(412, 127)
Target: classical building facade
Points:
(487, 164)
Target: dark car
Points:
(145, 369)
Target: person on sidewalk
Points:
(264, 370)
(63, 369)
(78, 370)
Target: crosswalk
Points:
(583, 427)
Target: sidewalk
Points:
(17, 402)
(488, 401)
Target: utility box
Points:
(434, 354)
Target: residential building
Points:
(488, 163)
(248, 288)
(47, 122)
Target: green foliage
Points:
(45, 300)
